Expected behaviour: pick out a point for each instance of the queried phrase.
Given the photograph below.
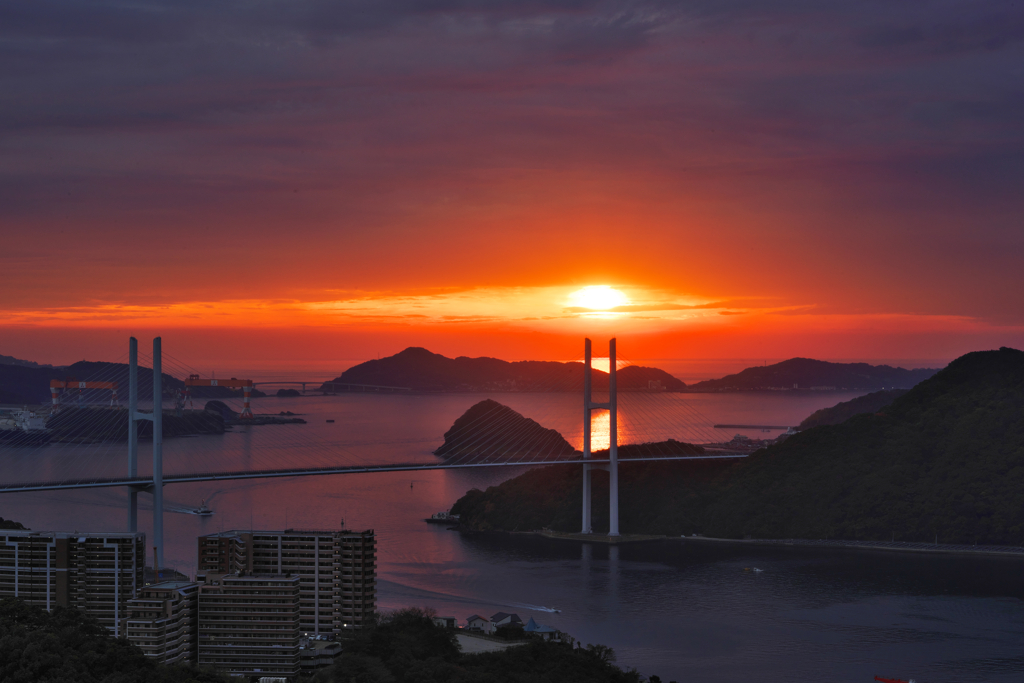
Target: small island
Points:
(490, 429)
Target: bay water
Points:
(684, 610)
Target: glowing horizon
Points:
(453, 176)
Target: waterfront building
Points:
(163, 621)
(249, 624)
(545, 632)
(337, 570)
(97, 573)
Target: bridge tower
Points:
(613, 441)
(157, 418)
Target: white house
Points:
(478, 623)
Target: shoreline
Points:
(888, 546)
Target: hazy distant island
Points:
(809, 374)
(943, 461)
(419, 369)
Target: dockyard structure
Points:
(163, 621)
(249, 624)
(97, 573)
(337, 570)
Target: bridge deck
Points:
(147, 482)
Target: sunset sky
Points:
(314, 181)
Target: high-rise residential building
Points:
(97, 573)
(337, 570)
(249, 624)
(163, 621)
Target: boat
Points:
(24, 428)
(442, 518)
(203, 510)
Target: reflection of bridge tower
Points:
(613, 442)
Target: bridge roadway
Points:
(144, 483)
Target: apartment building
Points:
(337, 570)
(97, 573)
(249, 624)
(163, 621)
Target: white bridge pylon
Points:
(156, 486)
(612, 464)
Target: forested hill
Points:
(806, 373)
(841, 412)
(944, 460)
(419, 369)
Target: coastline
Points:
(889, 546)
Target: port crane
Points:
(59, 386)
(244, 384)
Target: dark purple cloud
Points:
(874, 131)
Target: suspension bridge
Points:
(494, 438)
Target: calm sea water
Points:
(680, 610)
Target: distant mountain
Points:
(11, 360)
(31, 385)
(841, 412)
(419, 369)
(945, 460)
(806, 373)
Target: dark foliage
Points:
(944, 460)
(407, 647)
(69, 647)
(419, 369)
(10, 524)
(841, 412)
(807, 373)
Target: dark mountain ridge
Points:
(807, 373)
(944, 461)
(419, 369)
(843, 411)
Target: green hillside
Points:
(946, 459)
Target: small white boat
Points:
(203, 510)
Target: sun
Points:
(598, 298)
